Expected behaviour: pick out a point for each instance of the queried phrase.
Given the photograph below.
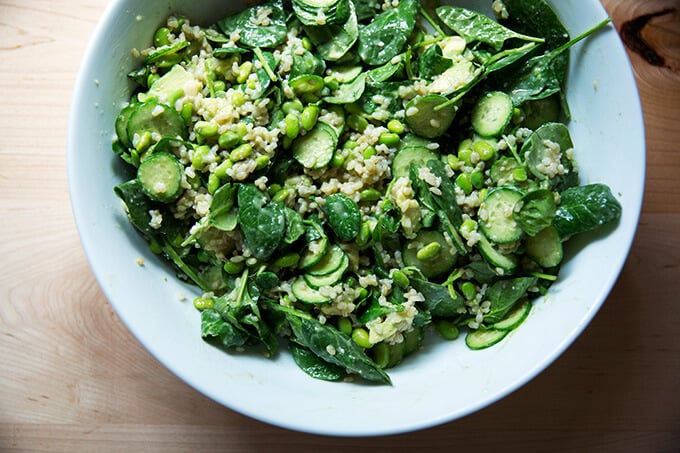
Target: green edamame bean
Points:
(309, 116)
(468, 226)
(241, 152)
(390, 139)
(214, 183)
(400, 279)
(261, 162)
(237, 98)
(206, 129)
(469, 290)
(338, 160)
(463, 181)
(204, 303)
(244, 71)
(229, 140)
(364, 234)
(282, 195)
(447, 329)
(370, 195)
(360, 337)
(519, 174)
(369, 152)
(485, 150)
(350, 144)
(292, 106)
(429, 251)
(453, 161)
(292, 126)
(477, 179)
(161, 37)
(186, 112)
(199, 155)
(151, 79)
(221, 169)
(233, 268)
(395, 126)
(345, 326)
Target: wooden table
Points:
(74, 379)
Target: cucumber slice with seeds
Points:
(426, 119)
(514, 318)
(419, 155)
(491, 114)
(330, 262)
(506, 263)
(304, 293)
(315, 149)
(545, 247)
(318, 281)
(160, 176)
(484, 338)
(155, 118)
(442, 262)
(495, 213)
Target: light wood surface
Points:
(72, 378)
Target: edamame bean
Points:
(447, 329)
(241, 152)
(463, 181)
(244, 71)
(151, 79)
(214, 183)
(292, 106)
(469, 290)
(199, 155)
(468, 226)
(370, 195)
(361, 338)
(186, 112)
(282, 196)
(261, 161)
(161, 37)
(206, 129)
(390, 139)
(219, 85)
(345, 326)
(477, 179)
(369, 152)
(485, 150)
(519, 174)
(429, 251)
(306, 43)
(237, 98)
(338, 160)
(233, 268)
(400, 279)
(395, 126)
(221, 169)
(292, 126)
(204, 303)
(364, 234)
(229, 140)
(309, 116)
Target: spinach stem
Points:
(265, 65)
(432, 22)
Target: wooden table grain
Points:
(72, 378)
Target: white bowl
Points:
(443, 382)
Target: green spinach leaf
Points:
(585, 208)
(344, 216)
(385, 36)
(313, 365)
(252, 31)
(262, 221)
(504, 294)
(536, 211)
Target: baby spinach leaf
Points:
(223, 214)
(536, 18)
(294, 226)
(385, 36)
(214, 327)
(332, 42)
(536, 211)
(313, 365)
(543, 75)
(432, 62)
(344, 216)
(138, 205)
(585, 208)
(439, 301)
(504, 294)
(335, 347)
(476, 27)
(307, 63)
(262, 221)
(253, 33)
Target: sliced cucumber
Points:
(484, 338)
(491, 114)
(545, 247)
(496, 259)
(307, 86)
(155, 118)
(536, 151)
(304, 293)
(498, 223)
(318, 281)
(441, 262)
(411, 154)
(348, 92)
(514, 318)
(315, 149)
(315, 249)
(330, 262)
(160, 176)
(172, 81)
(428, 117)
(344, 74)
(121, 125)
(507, 170)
